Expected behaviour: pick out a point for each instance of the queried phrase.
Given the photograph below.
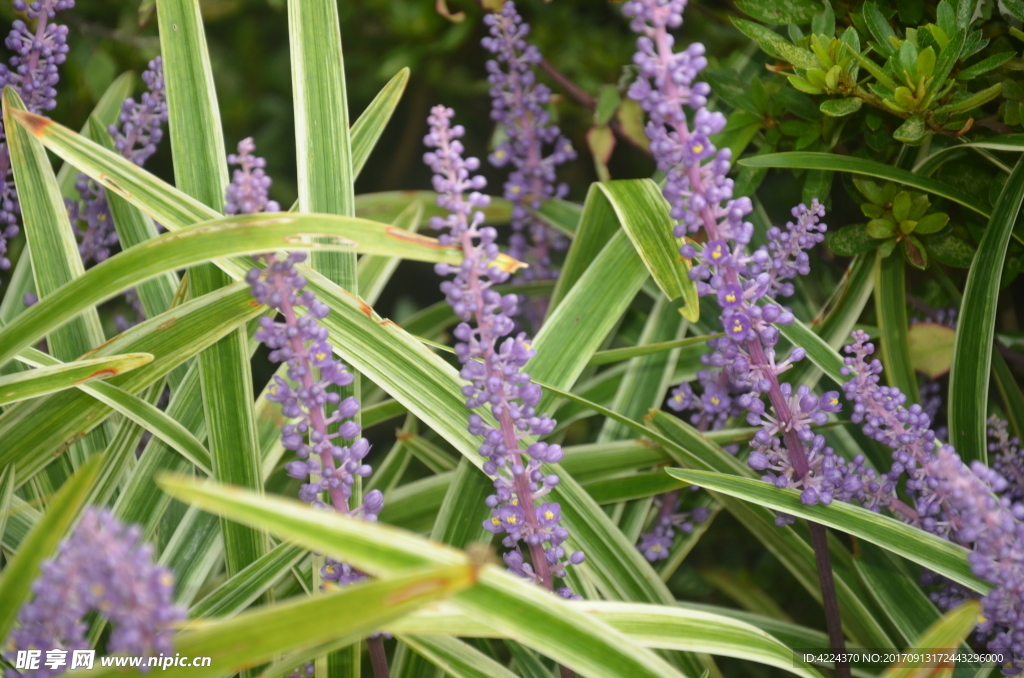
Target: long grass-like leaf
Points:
(457, 658)
(863, 166)
(972, 352)
(891, 308)
(223, 237)
(947, 633)
(35, 432)
(200, 170)
(46, 380)
(355, 611)
(659, 250)
(55, 252)
(238, 592)
(509, 604)
(935, 553)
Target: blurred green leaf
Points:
(357, 610)
(946, 633)
(931, 348)
(781, 12)
(839, 108)
(850, 241)
(891, 305)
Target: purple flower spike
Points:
(743, 365)
(141, 122)
(976, 507)
(247, 193)
(492, 363)
(32, 72)
(518, 103)
(138, 130)
(300, 341)
(100, 568)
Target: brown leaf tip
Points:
(35, 124)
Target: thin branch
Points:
(583, 97)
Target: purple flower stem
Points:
(508, 429)
(378, 658)
(759, 364)
(316, 415)
(583, 98)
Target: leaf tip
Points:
(34, 124)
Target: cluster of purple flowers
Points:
(492, 363)
(975, 506)
(328, 446)
(248, 192)
(100, 568)
(138, 130)
(657, 544)
(965, 498)
(32, 72)
(518, 103)
(1006, 457)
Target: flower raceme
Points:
(329, 445)
(743, 364)
(32, 72)
(974, 506)
(136, 134)
(492, 363)
(518, 103)
(100, 568)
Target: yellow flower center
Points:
(320, 356)
(731, 298)
(549, 515)
(495, 522)
(697, 148)
(329, 569)
(512, 520)
(715, 400)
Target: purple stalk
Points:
(492, 364)
(33, 74)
